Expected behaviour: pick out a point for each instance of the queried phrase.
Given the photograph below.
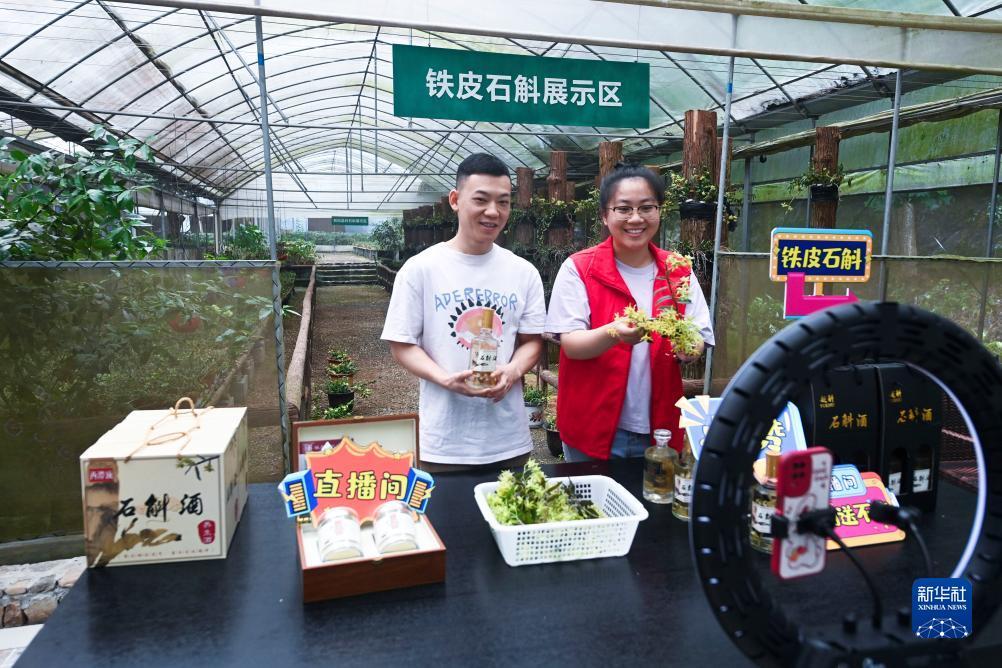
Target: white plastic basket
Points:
(609, 536)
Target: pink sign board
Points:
(852, 517)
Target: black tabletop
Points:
(647, 606)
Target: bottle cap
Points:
(772, 465)
(487, 319)
(662, 436)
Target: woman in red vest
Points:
(614, 388)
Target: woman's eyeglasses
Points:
(645, 210)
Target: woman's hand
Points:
(624, 331)
(685, 359)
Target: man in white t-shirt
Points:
(435, 310)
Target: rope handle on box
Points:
(174, 435)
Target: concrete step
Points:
(346, 266)
(355, 274)
(349, 281)
(353, 270)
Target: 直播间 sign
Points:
(821, 255)
(476, 86)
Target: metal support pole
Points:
(746, 209)
(993, 211)
(990, 242)
(719, 223)
(276, 285)
(218, 227)
(892, 154)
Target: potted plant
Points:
(334, 412)
(342, 370)
(553, 442)
(697, 199)
(821, 184)
(341, 391)
(337, 355)
(534, 399)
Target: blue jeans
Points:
(624, 444)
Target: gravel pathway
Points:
(351, 317)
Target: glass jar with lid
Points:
(394, 528)
(339, 534)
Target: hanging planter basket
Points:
(692, 209)
(823, 193)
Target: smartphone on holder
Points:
(804, 485)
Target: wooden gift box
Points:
(350, 577)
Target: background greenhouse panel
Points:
(85, 346)
(750, 306)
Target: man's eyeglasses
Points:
(645, 210)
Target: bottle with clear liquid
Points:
(763, 506)
(683, 480)
(659, 469)
(483, 352)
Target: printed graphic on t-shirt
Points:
(465, 310)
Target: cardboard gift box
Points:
(165, 485)
(372, 571)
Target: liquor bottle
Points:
(922, 473)
(483, 352)
(763, 506)
(659, 469)
(895, 468)
(683, 480)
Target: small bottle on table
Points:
(659, 469)
(683, 480)
(763, 506)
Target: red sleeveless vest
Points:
(591, 392)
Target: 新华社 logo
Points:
(941, 608)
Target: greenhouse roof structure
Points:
(186, 75)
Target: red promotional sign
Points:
(360, 477)
(852, 517)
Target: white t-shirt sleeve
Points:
(405, 315)
(698, 311)
(569, 308)
(534, 316)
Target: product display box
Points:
(165, 485)
(372, 571)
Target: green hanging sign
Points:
(349, 220)
(476, 86)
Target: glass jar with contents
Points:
(339, 534)
(394, 528)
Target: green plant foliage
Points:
(300, 251)
(58, 207)
(389, 235)
(93, 345)
(345, 368)
(341, 386)
(701, 189)
(288, 280)
(338, 412)
(533, 396)
(812, 177)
